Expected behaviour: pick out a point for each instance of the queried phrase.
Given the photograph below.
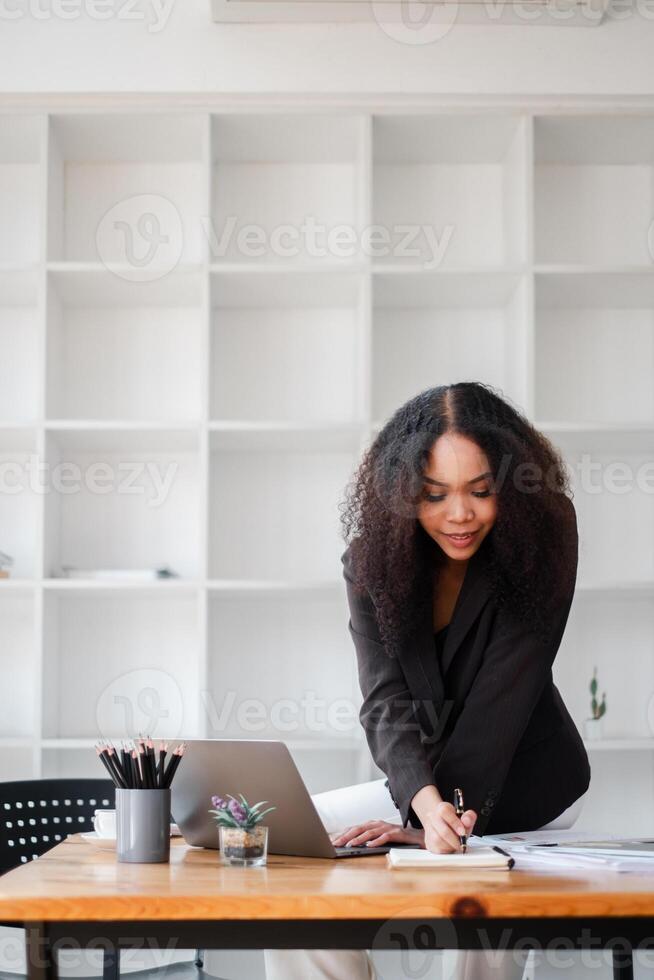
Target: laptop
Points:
(260, 769)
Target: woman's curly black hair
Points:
(532, 547)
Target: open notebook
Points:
(474, 859)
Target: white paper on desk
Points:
(528, 850)
(529, 837)
(549, 859)
(633, 848)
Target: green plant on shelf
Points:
(235, 814)
(598, 710)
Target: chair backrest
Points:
(36, 814)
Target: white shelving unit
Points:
(196, 377)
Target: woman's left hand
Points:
(378, 832)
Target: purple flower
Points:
(237, 811)
(218, 802)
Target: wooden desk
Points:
(77, 894)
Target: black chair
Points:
(35, 815)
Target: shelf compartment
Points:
(122, 499)
(608, 520)
(595, 336)
(120, 665)
(18, 662)
(120, 349)
(126, 188)
(20, 396)
(593, 187)
(271, 174)
(465, 177)
(611, 478)
(274, 513)
(282, 669)
(615, 636)
(616, 776)
(432, 329)
(20, 189)
(286, 348)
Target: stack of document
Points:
(568, 850)
(477, 858)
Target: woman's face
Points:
(458, 505)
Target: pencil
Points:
(134, 765)
(152, 769)
(110, 763)
(163, 751)
(136, 771)
(143, 761)
(174, 763)
(115, 764)
(105, 762)
(127, 766)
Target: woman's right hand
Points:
(443, 828)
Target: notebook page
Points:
(480, 857)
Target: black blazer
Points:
(491, 721)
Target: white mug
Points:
(104, 823)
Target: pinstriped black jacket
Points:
(489, 719)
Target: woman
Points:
(460, 575)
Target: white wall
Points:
(191, 54)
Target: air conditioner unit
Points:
(413, 15)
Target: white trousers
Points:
(349, 805)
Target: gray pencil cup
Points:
(143, 825)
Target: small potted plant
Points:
(242, 839)
(593, 725)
